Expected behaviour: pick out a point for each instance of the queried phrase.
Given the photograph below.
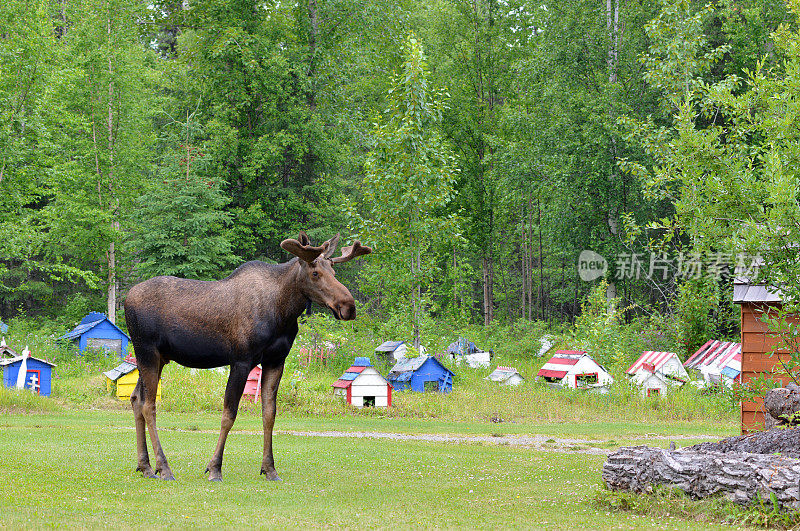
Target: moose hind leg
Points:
(148, 378)
(143, 458)
(270, 379)
(233, 394)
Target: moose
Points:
(248, 318)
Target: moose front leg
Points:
(233, 394)
(270, 379)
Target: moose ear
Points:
(306, 253)
(330, 246)
(303, 238)
(352, 251)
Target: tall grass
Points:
(17, 401)
(306, 391)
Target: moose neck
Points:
(291, 301)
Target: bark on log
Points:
(736, 475)
(783, 441)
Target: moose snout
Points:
(346, 310)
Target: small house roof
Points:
(743, 293)
(562, 361)
(126, 367)
(651, 361)
(11, 361)
(91, 320)
(715, 353)
(746, 290)
(360, 364)
(501, 374)
(731, 372)
(389, 346)
(6, 351)
(407, 366)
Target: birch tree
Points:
(409, 180)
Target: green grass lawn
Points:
(76, 469)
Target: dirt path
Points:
(544, 443)
(534, 442)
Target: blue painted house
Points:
(38, 374)
(422, 373)
(96, 331)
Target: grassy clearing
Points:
(77, 469)
(78, 452)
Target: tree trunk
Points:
(614, 30)
(525, 268)
(417, 298)
(113, 201)
(488, 290)
(738, 476)
(540, 296)
(313, 34)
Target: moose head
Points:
(317, 279)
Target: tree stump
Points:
(739, 468)
(781, 406)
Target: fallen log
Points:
(739, 476)
(783, 441)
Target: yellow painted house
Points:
(125, 376)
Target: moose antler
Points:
(352, 251)
(330, 246)
(304, 251)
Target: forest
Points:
(503, 158)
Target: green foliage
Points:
(599, 325)
(409, 180)
(181, 224)
(704, 310)
(679, 53)
(665, 502)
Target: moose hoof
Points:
(147, 472)
(214, 475)
(272, 475)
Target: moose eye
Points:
(314, 274)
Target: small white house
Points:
(506, 376)
(392, 350)
(363, 386)
(656, 372)
(575, 369)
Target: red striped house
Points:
(575, 369)
(656, 372)
(717, 362)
